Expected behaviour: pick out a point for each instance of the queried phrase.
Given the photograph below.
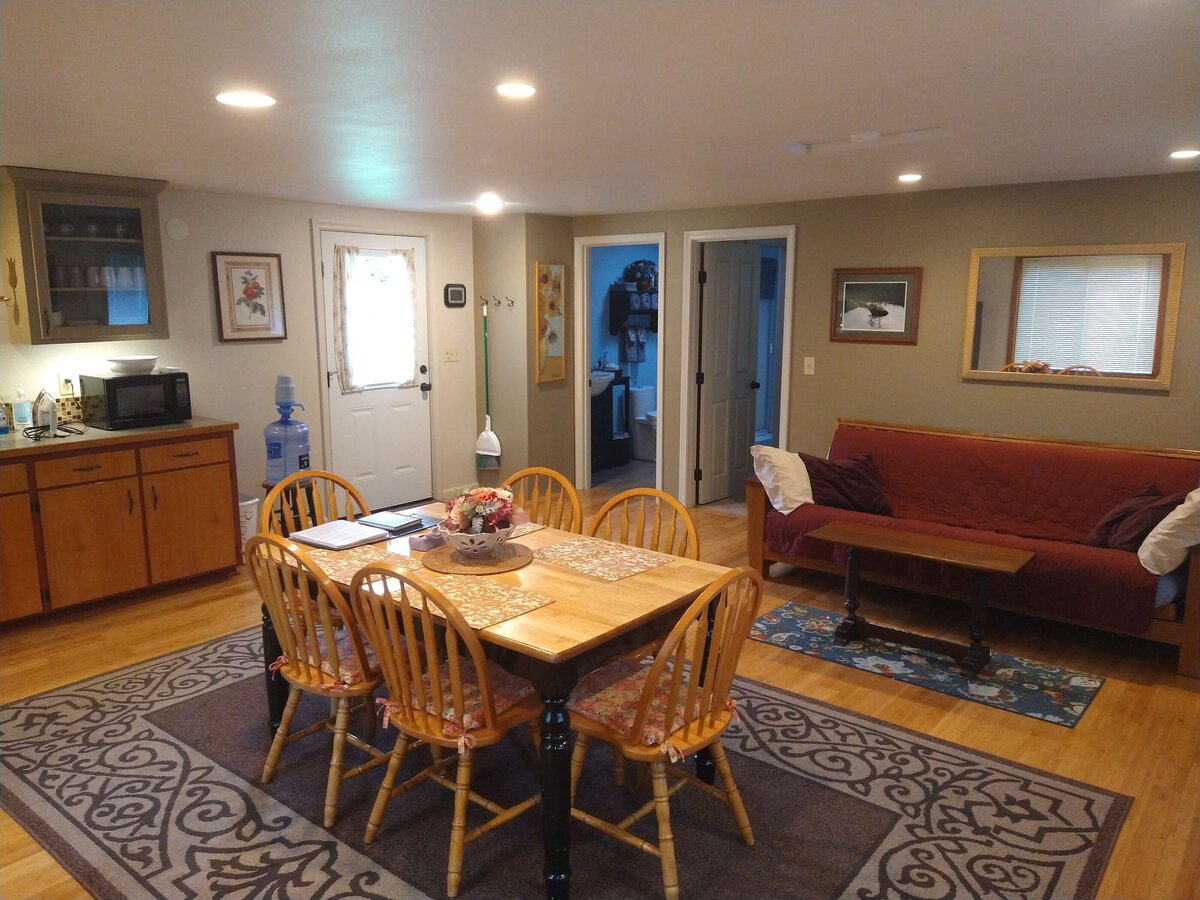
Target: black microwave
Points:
(134, 401)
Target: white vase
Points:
(477, 545)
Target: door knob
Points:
(754, 385)
(426, 386)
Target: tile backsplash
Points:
(68, 408)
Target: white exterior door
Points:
(727, 358)
(379, 428)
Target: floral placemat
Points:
(340, 565)
(526, 528)
(600, 558)
(484, 602)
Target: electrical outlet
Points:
(67, 386)
(451, 354)
(810, 365)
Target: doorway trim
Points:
(690, 327)
(583, 343)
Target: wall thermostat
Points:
(455, 295)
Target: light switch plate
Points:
(451, 354)
(810, 365)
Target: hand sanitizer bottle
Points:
(22, 410)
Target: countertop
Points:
(14, 446)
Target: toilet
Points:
(642, 409)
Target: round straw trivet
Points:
(448, 561)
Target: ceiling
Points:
(641, 104)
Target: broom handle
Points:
(487, 390)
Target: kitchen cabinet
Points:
(86, 256)
(107, 513)
(20, 588)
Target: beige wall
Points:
(936, 230)
(235, 381)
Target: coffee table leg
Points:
(849, 626)
(978, 654)
(277, 688)
(556, 795)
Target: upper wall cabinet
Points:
(82, 256)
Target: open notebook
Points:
(339, 534)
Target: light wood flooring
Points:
(1140, 737)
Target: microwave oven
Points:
(113, 402)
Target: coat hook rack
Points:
(511, 302)
(495, 301)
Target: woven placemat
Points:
(447, 560)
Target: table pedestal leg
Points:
(556, 795)
(277, 688)
(978, 653)
(849, 626)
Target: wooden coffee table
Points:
(984, 559)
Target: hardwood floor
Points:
(1140, 737)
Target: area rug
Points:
(143, 783)
(1051, 693)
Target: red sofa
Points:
(1026, 493)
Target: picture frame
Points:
(549, 322)
(249, 294)
(876, 306)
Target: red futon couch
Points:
(1038, 495)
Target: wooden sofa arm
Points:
(1189, 646)
(756, 518)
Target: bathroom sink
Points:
(598, 381)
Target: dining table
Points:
(591, 600)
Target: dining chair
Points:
(444, 693)
(650, 519)
(547, 496)
(307, 498)
(661, 711)
(323, 654)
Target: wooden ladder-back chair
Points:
(323, 654)
(650, 519)
(444, 692)
(547, 497)
(307, 498)
(663, 711)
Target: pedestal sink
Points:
(598, 381)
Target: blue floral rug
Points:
(1033, 689)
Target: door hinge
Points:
(699, 378)
(322, 268)
(328, 379)
(697, 474)
(703, 277)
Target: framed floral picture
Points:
(875, 306)
(249, 296)
(550, 332)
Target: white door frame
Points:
(583, 363)
(323, 362)
(690, 327)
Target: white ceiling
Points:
(641, 104)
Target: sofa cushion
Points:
(846, 484)
(783, 477)
(1127, 524)
(1166, 547)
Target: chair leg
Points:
(458, 829)
(281, 734)
(578, 755)
(385, 790)
(618, 767)
(666, 841)
(334, 783)
(732, 795)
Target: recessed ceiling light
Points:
(516, 90)
(1185, 154)
(908, 177)
(489, 204)
(245, 98)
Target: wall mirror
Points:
(1093, 316)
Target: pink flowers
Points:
(481, 511)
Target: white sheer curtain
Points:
(374, 318)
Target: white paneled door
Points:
(375, 308)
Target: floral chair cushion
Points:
(349, 672)
(507, 691)
(610, 696)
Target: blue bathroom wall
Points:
(606, 264)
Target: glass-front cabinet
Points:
(90, 257)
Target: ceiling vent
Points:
(863, 139)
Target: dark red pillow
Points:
(1126, 525)
(846, 483)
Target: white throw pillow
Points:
(783, 475)
(1166, 547)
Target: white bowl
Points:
(476, 545)
(132, 365)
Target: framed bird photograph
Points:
(875, 306)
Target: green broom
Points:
(487, 448)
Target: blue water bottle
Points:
(286, 438)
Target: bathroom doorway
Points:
(618, 361)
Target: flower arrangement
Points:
(482, 511)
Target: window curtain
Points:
(374, 318)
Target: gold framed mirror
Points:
(1096, 316)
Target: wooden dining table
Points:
(589, 620)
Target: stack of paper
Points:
(339, 534)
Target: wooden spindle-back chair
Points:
(547, 497)
(307, 498)
(650, 519)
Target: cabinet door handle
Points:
(154, 494)
(92, 468)
(188, 453)
(130, 493)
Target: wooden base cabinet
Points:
(188, 522)
(20, 586)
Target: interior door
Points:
(380, 430)
(729, 330)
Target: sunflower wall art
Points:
(550, 332)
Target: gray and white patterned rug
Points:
(143, 784)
